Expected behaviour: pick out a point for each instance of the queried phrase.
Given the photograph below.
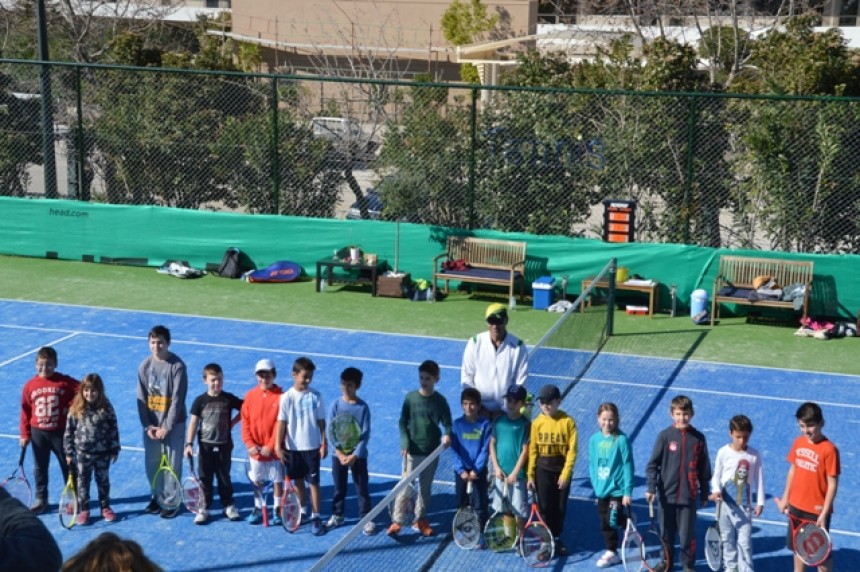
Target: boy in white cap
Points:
(494, 361)
(259, 418)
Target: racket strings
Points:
(537, 546)
(19, 488)
(811, 544)
(168, 489)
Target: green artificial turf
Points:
(734, 340)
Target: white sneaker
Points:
(335, 521)
(231, 513)
(370, 528)
(201, 517)
(608, 559)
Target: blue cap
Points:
(516, 392)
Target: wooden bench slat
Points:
(741, 272)
(506, 256)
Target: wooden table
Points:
(650, 289)
(367, 273)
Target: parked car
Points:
(374, 207)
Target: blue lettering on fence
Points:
(567, 151)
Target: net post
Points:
(610, 318)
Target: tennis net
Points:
(561, 357)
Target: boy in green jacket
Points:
(422, 414)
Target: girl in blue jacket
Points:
(610, 466)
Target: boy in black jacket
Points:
(679, 471)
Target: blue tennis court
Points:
(113, 342)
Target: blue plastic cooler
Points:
(543, 291)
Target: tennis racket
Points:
(631, 547)
(17, 484)
(812, 544)
(68, 509)
(345, 432)
(263, 488)
(467, 528)
(500, 532)
(655, 553)
(402, 508)
(165, 484)
(191, 494)
(288, 504)
(536, 543)
(713, 543)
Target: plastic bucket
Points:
(698, 302)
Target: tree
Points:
(465, 24)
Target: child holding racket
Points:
(610, 468)
(354, 459)
(45, 402)
(812, 480)
(509, 450)
(679, 471)
(91, 441)
(300, 438)
(552, 454)
(259, 417)
(738, 478)
(423, 411)
(470, 445)
(211, 422)
(162, 384)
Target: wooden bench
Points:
(488, 261)
(734, 282)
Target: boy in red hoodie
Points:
(45, 403)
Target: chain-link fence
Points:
(710, 169)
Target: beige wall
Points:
(411, 27)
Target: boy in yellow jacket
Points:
(552, 453)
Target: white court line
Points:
(31, 352)
(175, 341)
(681, 388)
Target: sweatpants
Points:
(680, 519)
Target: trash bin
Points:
(543, 290)
(698, 302)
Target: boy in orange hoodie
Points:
(259, 418)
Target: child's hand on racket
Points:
(781, 505)
(324, 449)
(563, 483)
(716, 497)
(446, 440)
(626, 501)
(530, 485)
(189, 452)
(757, 511)
(24, 441)
(649, 497)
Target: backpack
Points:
(234, 264)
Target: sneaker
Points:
(369, 528)
(256, 516)
(609, 558)
(83, 518)
(423, 527)
(317, 527)
(201, 517)
(152, 507)
(393, 530)
(39, 506)
(166, 513)
(231, 513)
(108, 514)
(335, 521)
(276, 518)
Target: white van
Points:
(336, 128)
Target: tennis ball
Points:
(523, 410)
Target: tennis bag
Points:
(281, 271)
(234, 263)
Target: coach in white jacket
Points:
(493, 361)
